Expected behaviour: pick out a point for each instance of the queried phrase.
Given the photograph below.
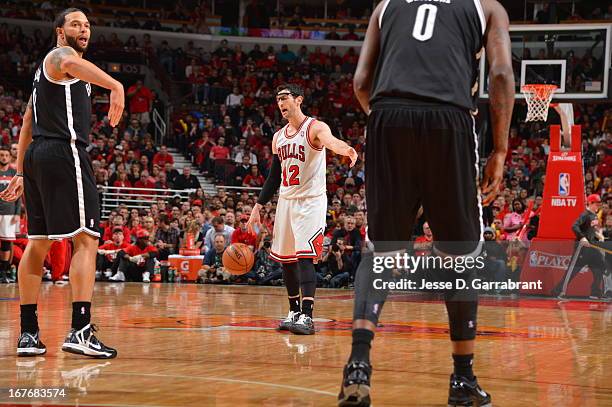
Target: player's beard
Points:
(74, 43)
(4, 163)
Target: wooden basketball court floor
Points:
(204, 345)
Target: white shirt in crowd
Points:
(233, 100)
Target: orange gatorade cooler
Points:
(187, 266)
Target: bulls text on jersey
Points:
(292, 150)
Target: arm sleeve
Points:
(272, 182)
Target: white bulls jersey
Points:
(303, 165)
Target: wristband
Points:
(19, 174)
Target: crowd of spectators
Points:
(226, 134)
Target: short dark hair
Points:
(60, 19)
(5, 148)
(294, 89)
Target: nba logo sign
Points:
(533, 259)
(564, 184)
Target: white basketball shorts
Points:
(298, 228)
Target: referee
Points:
(585, 253)
(56, 177)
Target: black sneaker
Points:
(467, 393)
(303, 325)
(30, 345)
(84, 342)
(287, 323)
(5, 277)
(355, 391)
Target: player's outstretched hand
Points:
(254, 219)
(353, 156)
(117, 102)
(493, 176)
(13, 191)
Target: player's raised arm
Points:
(501, 91)
(322, 136)
(66, 61)
(15, 187)
(269, 188)
(368, 57)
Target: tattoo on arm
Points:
(57, 57)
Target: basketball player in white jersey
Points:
(298, 168)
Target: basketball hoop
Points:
(538, 99)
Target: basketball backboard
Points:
(575, 57)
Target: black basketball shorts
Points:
(423, 155)
(60, 190)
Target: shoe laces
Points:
(358, 371)
(302, 319)
(29, 336)
(291, 315)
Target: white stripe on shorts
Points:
(75, 155)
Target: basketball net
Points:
(538, 99)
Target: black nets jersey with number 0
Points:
(60, 109)
(430, 49)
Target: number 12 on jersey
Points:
(294, 172)
(425, 21)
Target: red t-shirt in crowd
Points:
(113, 246)
(254, 181)
(220, 152)
(147, 183)
(122, 184)
(246, 237)
(422, 239)
(161, 159)
(134, 250)
(140, 101)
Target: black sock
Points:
(294, 304)
(5, 265)
(362, 339)
(307, 306)
(463, 365)
(29, 318)
(81, 314)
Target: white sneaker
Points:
(98, 275)
(47, 275)
(118, 277)
(288, 322)
(146, 277)
(108, 273)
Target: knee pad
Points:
(369, 301)
(462, 319)
(6, 246)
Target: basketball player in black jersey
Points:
(56, 177)
(417, 80)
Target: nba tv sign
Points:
(563, 198)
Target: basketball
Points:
(238, 259)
